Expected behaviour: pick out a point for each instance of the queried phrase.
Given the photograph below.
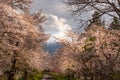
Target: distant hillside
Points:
(51, 47)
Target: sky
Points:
(58, 17)
(55, 7)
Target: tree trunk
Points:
(25, 75)
(11, 73)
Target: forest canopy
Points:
(90, 55)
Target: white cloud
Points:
(55, 26)
(55, 7)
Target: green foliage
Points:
(115, 24)
(96, 19)
(57, 76)
(70, 74)
(114, 44)
(38, 76)
(33, 76)
(3, 77)
(89, 45)
(92, 38)
(116, 75)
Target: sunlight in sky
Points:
(57, 17)
(55, 26)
